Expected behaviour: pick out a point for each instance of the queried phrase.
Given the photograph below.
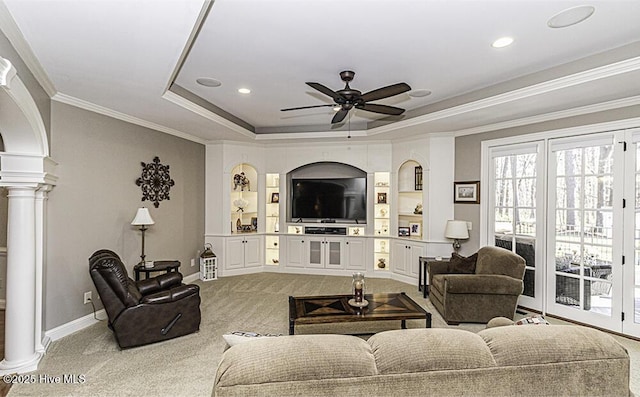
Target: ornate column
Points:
(20, 352)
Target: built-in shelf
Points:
(410, 197)
(244, 182)
(381, 219)
(272, 219)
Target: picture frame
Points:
(415, 229)
(275, 197)
(404, 231)
(382, 198)
(466, 192)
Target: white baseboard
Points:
(88, 320)
(74, 326)
(191, 278)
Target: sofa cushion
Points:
(512, 346)
(485, 284)
(495, 260)
(439, 350)
(461, 264)
(295, 358)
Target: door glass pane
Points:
(515, 210)
(584, 227)
(315, 252)
(334, 253)
(636, 262)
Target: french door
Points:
(570, 206)
(586, 177)
(631, 268)
(515, 223)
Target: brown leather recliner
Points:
(145, 311)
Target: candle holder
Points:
(358, 288)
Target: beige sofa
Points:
(536, 360)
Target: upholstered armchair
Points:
(478, 288)
(145, 311)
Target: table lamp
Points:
(142, 219)
(456, 230)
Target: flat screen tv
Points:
(336, 199)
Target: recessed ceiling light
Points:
(502, 42)
(244, 90)
(208, 82)
(570, 16)
(419, 93)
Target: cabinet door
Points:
(234, 253)
(398, 257)
(416, 250)
(333, 250)
(355, 254)
(252, 251)
(316, 253)
(296, 252)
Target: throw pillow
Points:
(235, 337)
(461, 264)
(536, 319)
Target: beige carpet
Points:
(186, 366)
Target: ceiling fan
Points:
(348, 98)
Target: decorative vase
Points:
(381, 263)
(358, 287)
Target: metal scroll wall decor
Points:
(155, 182)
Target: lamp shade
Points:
(456, 230)
(142, 218)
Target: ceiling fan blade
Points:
(306, 107)
(339, 116)
(384, 109)
(385, 92)
(327, 91)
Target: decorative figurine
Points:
(242, 181)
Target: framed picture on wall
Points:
(466, 192)
(275, 197)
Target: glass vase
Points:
(358, 287)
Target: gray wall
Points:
(468, 151)
(96, 199)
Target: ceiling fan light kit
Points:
(349, 98)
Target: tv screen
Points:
(341, 199)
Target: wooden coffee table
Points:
(336, 309)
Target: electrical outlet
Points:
(193, 262)
(87, 297)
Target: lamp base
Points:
(456, 245)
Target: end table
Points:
(158, 266)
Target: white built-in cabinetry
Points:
(405, 254)
(242, 252)
(325, 252)
(278, 246)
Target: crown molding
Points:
(602, 72)
(12, 31)
(199, 110)
(562, 114)
(82, 104)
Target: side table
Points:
(158, 266)
(423, 273)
